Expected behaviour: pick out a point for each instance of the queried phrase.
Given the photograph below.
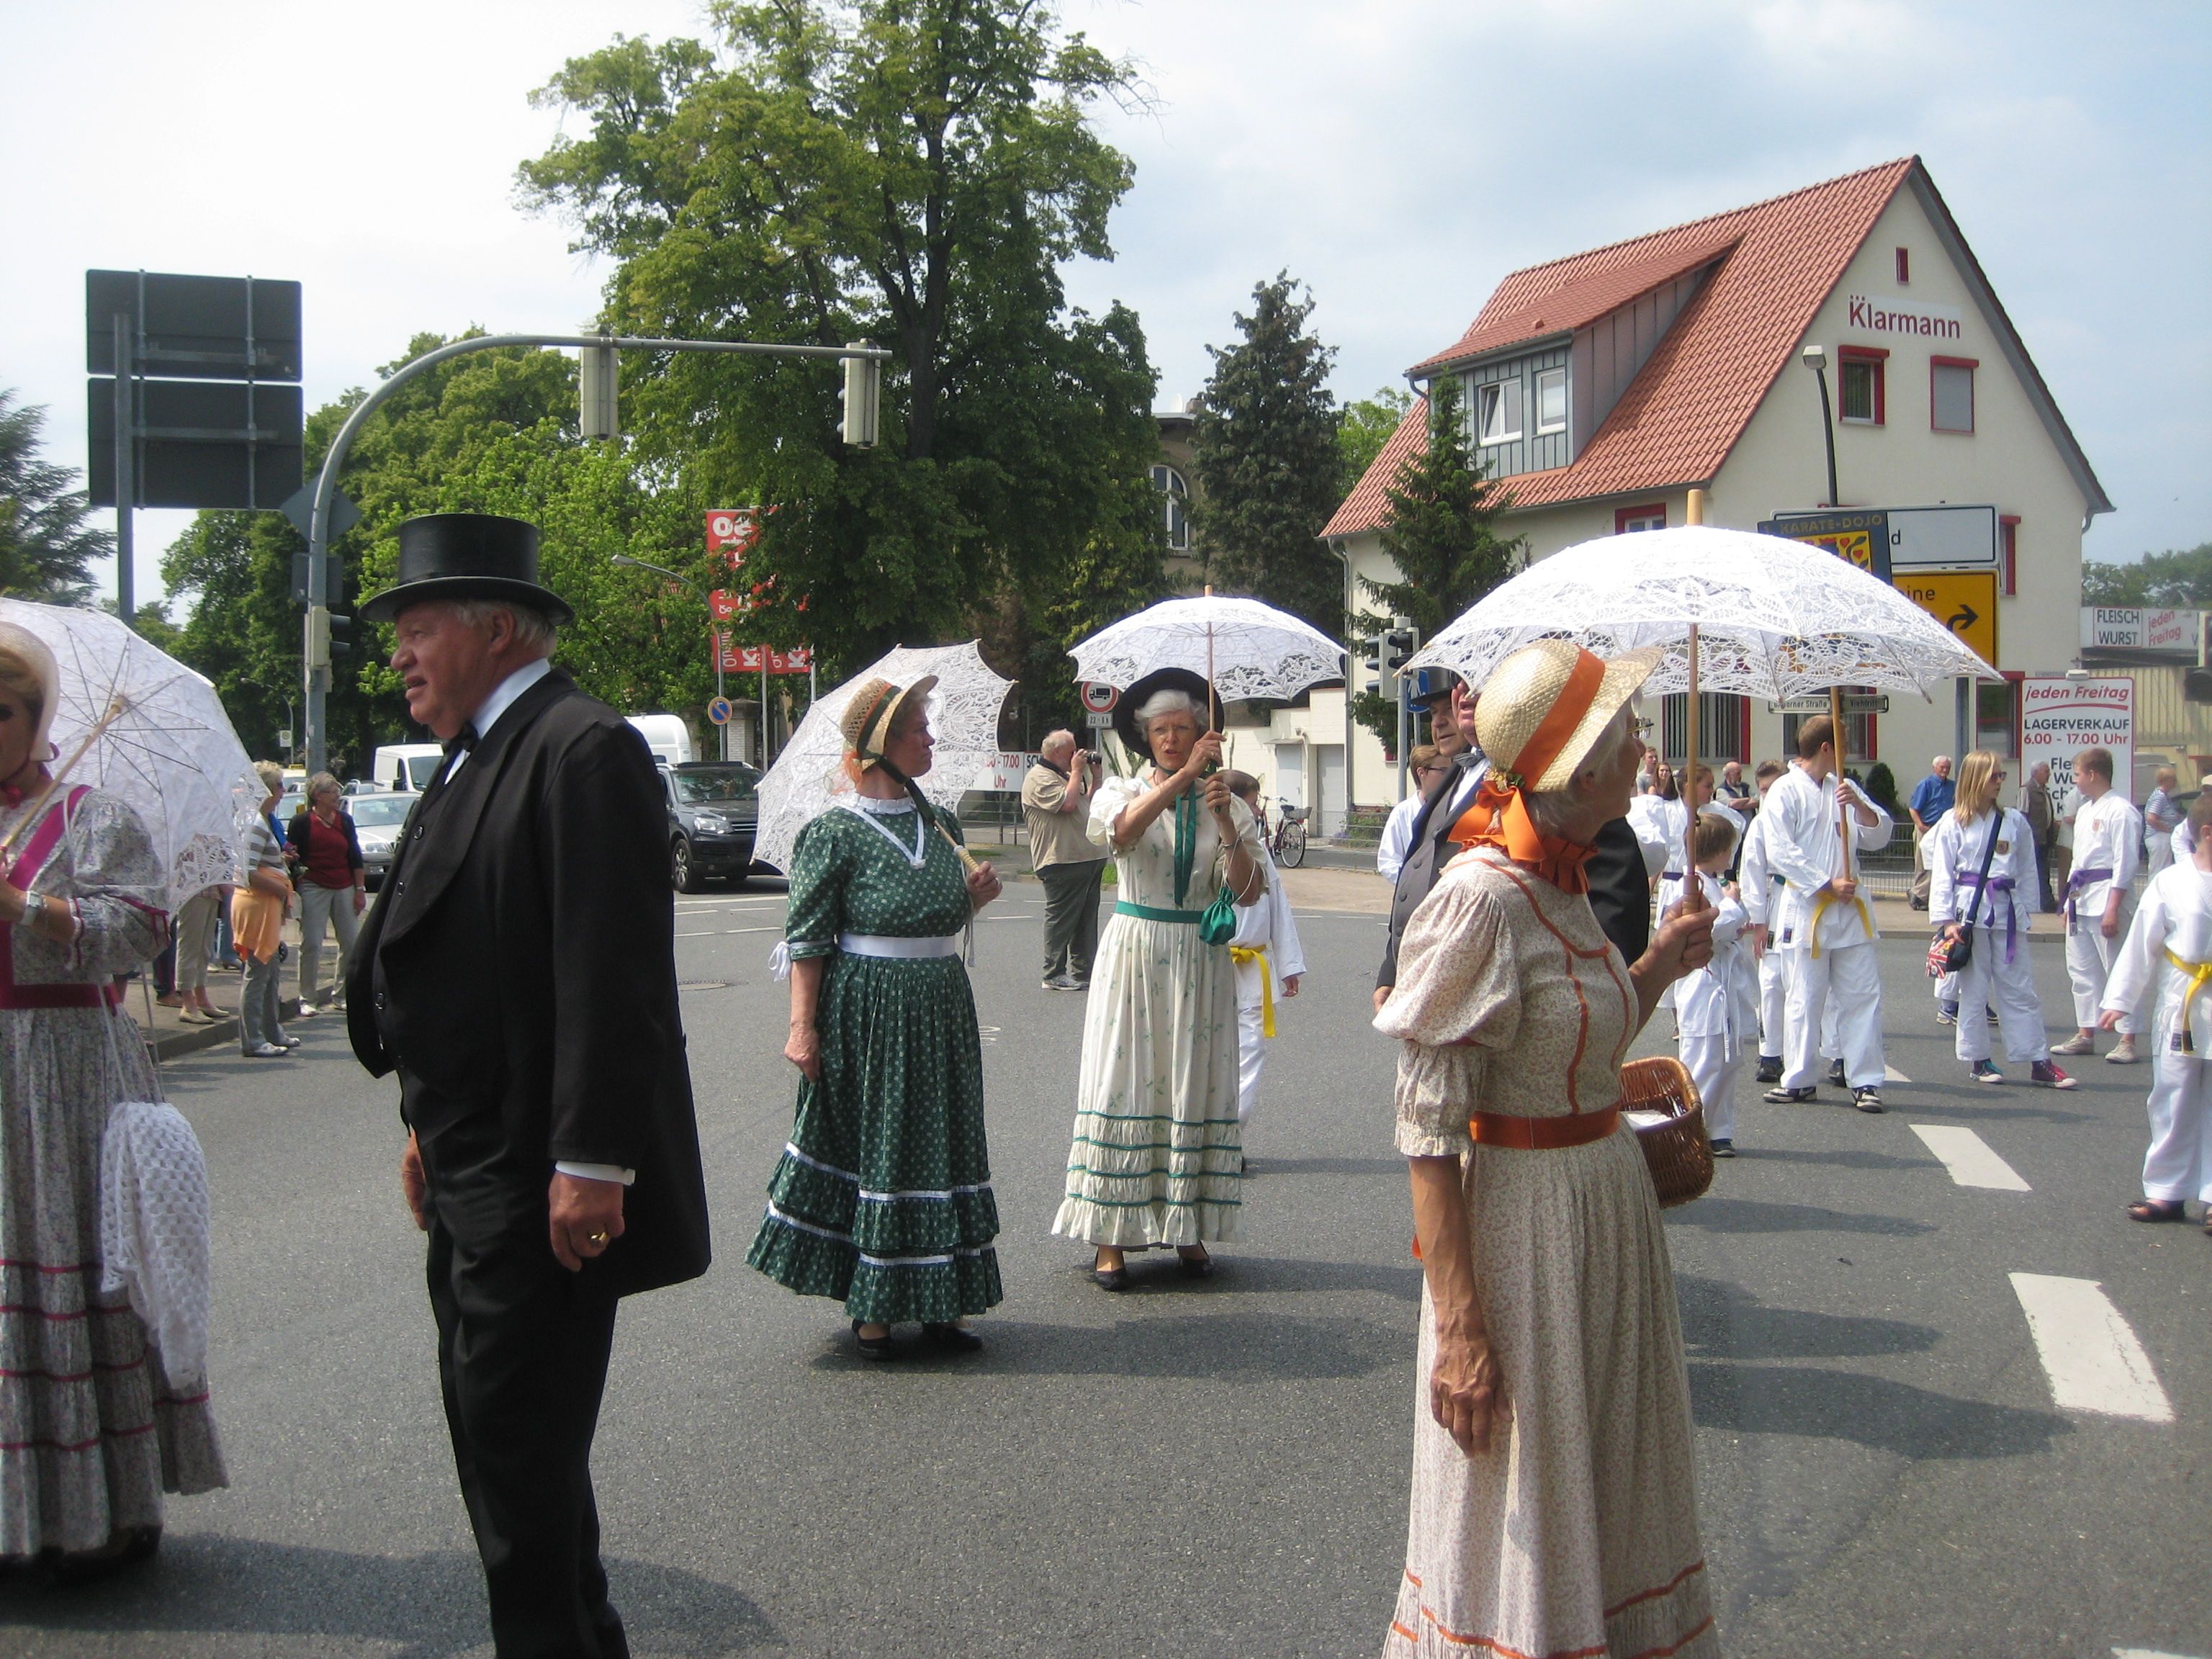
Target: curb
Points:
(174, 1043)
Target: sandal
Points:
(2157, 1209)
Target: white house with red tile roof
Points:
(1603, 388)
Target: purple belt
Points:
(1994, 888)
(2079, 879)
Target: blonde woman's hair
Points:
(271, 776)
(1978, 787)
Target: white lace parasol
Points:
(1256, 651)
(809, 775)
(1775, 618)
(171, 754)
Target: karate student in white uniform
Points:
(2107, 831)
(1713, 1006)
(2172, 932)
(1824, 921)
(1269, 964)
(1997, 974)
(1759, 887)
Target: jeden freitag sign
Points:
(2059, 717)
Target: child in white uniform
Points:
(1269, 963)
(2172, 932)
(1713, 1005)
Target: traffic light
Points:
(864, 396)
(316, 646)
(596, 377)
(340, 635)
(1398, 646)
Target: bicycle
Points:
(1287, 840)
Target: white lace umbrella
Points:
(809, 775)
(1775, 618)
(1247, 649)
(170, 753)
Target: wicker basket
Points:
(1680, 1157)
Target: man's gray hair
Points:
(532, 627)
(1058, 742)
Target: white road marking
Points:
(1890, 1074)
(1969, 1159)
(2146, 1653)
(2089, 1352)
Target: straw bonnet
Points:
(873, 711)
(1544, 705)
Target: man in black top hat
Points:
(518, 973)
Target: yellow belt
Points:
(1240, 954)
(2198, 973)
(1820, 909)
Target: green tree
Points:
(46, 549)
(1441, 532)
(912, 172)
(1269, 469)
(2177, 580)
(1367, 426)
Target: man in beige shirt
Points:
(1056, 805)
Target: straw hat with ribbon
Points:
(874, 710)
(1540, 711)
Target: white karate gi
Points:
(1997, 976)
(1265, 926)
(1837, 953)
(2176, 917)
(1760, 887)
(1712, 1012)
(2106, 833)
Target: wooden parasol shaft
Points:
(116, 708)
(1693, 889)
(1843, 813)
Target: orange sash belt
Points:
(1543, 1134)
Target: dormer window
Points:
(1498, 412)
(1552, 400)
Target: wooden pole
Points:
(1209, 662)
(1693, 889)
(1843, 813)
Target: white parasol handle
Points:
(115, 712)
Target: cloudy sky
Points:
(1398, 155)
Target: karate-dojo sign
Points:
(2060, 716)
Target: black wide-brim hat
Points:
(467, 556)
(1161, 679)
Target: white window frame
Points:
(1174, 506)
(1549, 377)
(1495, 402)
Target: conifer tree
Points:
(1269, 469)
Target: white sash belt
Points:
(886, 945)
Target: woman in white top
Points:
(1974, 835)
(2172, 941)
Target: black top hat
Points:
(467, 555)
(1432, 686)
(1126, 726)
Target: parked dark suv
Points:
(712, 810)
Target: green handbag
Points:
(1220, 925)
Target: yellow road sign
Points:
(1964, 601)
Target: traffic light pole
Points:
(861, 420)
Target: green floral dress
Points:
(883, 1198)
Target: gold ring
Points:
(599, 1238)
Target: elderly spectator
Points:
(1932, 796)
(1734, 787)
(93, 1428)
(2161, 817)
(2042, 815)
(194, 941)
(1056, 806)
(333, 886)
(1554, 1505)
(258, 908)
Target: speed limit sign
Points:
(1099, 698)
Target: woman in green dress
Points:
(882, 1198)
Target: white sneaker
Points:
(308, 1011)
(266, 1051)
(2077, 1044)
(2123, 1053)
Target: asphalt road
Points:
(1210, 1469)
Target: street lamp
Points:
(662, 569)
(1816, 359)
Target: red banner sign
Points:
(746, 659)
(731, 530)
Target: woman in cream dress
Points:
(1156, 1157)
(1554, 1504)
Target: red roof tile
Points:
(1370, 501)
(1685, 409)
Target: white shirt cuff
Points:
(614, 1172)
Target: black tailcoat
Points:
(520, 966)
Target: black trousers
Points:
(1071, 916)
(522, 1361)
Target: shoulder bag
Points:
(1951, 956)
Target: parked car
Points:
(713, 810)
(378, 818)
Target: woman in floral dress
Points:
(1554, 1508)
(92, 1430)
(883, 1198)
(1157, 1156)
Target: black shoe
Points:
(1867, 1099)
(1790, 1096)
(943, 1334)
(875, 1347)
(1195, 1267)
(1723, 1147)
(1836, 1077)
(1110, 1279)
(1770, 1069)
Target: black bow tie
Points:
(463, 740)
